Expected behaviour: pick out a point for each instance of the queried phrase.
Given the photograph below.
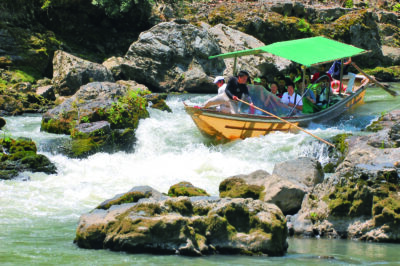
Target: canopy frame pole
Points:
(234, 66)
(341, 76)
(303, 68)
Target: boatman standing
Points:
(235, 89)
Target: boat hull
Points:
(227, 127)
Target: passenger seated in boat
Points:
(321, 72)
(293, 74)
(291, 98)
(308, 93)
(274, 89)
(309, 98)
(281, 84)
(335, 72)
(235, 89)
(323, 92)
(257, 81)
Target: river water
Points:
(39, 212)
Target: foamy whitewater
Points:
(39, 212)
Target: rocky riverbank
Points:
(360, 200)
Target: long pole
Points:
(391, 92)
(290, 123)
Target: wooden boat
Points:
(307, 52)
(226, 127)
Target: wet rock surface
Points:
(19, 155)
(172, 57)
(70, 72)
(286, 187)
(361, 199)
(101, 116)
(150, 222)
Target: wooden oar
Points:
(290, 123)
(391, 92)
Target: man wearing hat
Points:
(234, 90)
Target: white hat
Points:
(218, 78)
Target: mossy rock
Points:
(182, 206)
(20, 155)
(391, 73)
(238, 188)
(387, 210)
(350, 200)
(130, 197)
(186, 189)
(329, 168)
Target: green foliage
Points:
(128, 110)
(85, 119)
(46, 4)
(396, 8)
(349, 4)
(303, 26)
(116, 8)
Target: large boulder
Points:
(172, 56)
(101, 116)
(19, 155)
(138, 222)
(231, 40)
(361, 200)
(70, 72)
(303, 170)
(286, 191)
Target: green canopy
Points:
(307, 52)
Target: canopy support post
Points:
(234, 66)
(303, 68)
(341, 77)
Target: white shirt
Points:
(286, 99)
(222, 89)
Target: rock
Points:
(361, 199)
(392, 54)
(46, 92)
(132, 196)
(113, 64)
(101, 116)
(21, 46)
(93, 128)
(388, 18)
(71, 72)
(306, 171)
(187, 226)
(235, 187)
(173, 57)
(385, 73)
(286, 194)
(20, 155)
(92, 103)
(233, 40)
(186, 189)
(360, 29)
(2, 122)
(23, 87)
(157, 101)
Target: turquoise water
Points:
(39, 212)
